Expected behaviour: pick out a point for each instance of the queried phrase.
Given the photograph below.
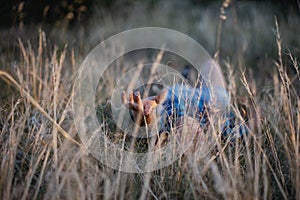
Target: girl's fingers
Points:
(130, 97)
(133, 106)
(138, 100)
(132, 100)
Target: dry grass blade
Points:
(6, 77)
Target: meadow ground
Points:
(41, 155)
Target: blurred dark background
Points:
(74, 12)
(246, 37)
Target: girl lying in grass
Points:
(181, 101)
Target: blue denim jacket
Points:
(197, 103)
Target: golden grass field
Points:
(41, 154)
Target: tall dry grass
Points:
(42, 156)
